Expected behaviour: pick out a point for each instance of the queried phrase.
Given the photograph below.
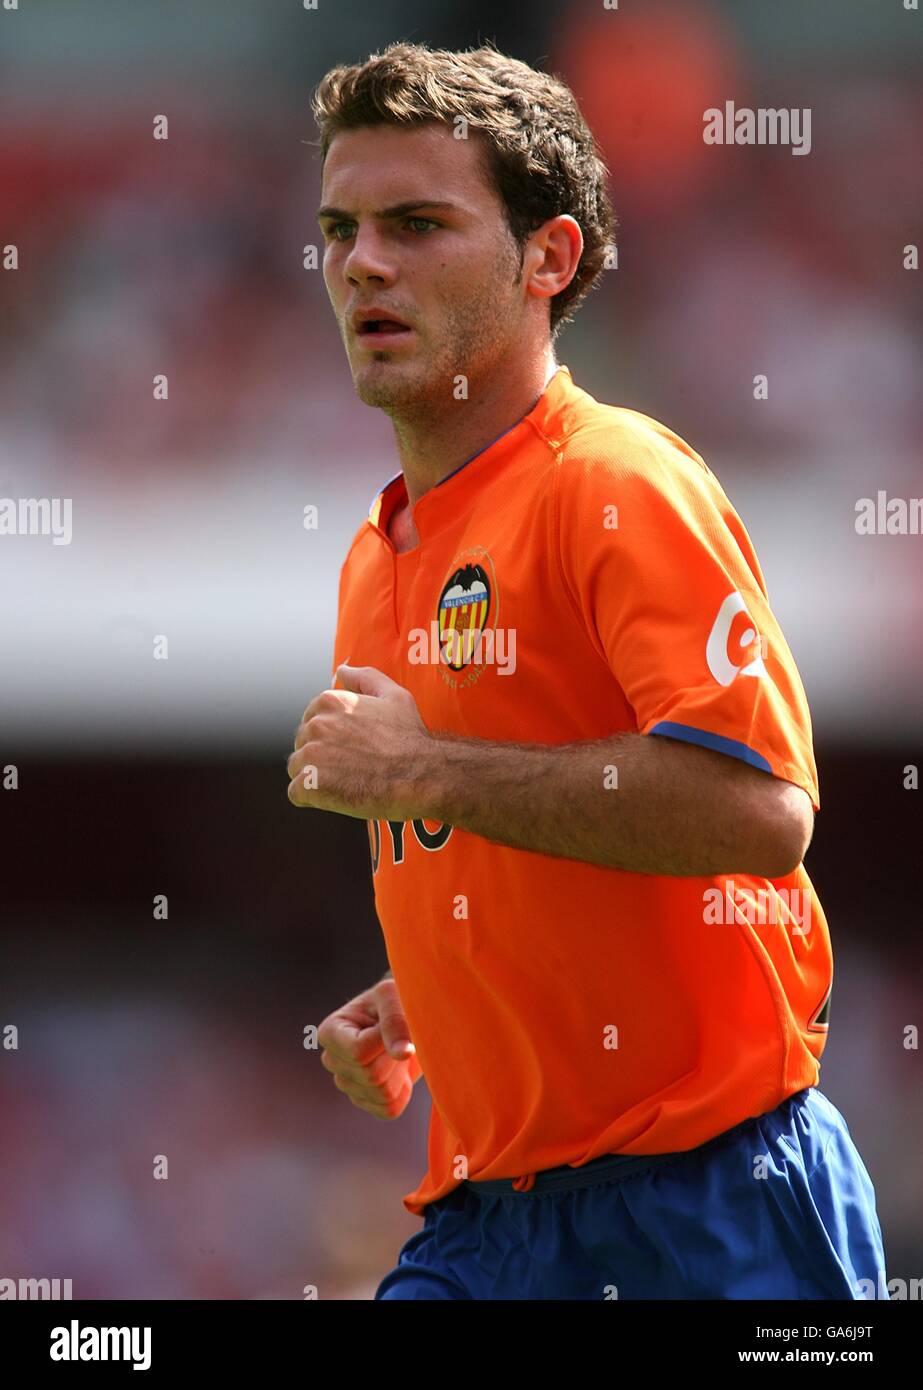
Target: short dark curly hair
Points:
(541, 155)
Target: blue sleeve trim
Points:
(688, 734)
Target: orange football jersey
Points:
(581, 576)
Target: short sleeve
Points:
(663, 574)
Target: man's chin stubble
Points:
(392, 389)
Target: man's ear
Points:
(553, 255)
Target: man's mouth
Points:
(382, 326)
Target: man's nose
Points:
(368, 259)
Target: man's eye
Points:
(340, 231)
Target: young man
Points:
(564, 706)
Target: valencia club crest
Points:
(467, 609)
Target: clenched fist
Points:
(362, 749)
(367, 1047)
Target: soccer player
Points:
(564, 706)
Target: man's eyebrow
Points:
(399, 210)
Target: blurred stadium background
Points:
(139, 777)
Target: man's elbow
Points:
(786, 829)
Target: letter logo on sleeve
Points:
(734, 647)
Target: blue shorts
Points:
(778, 1207)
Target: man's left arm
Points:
(634, 802)
(647, 805)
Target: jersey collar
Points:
(443, 501)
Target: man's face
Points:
(442, 260)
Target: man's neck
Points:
(431, 448)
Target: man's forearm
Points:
(637, 802)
